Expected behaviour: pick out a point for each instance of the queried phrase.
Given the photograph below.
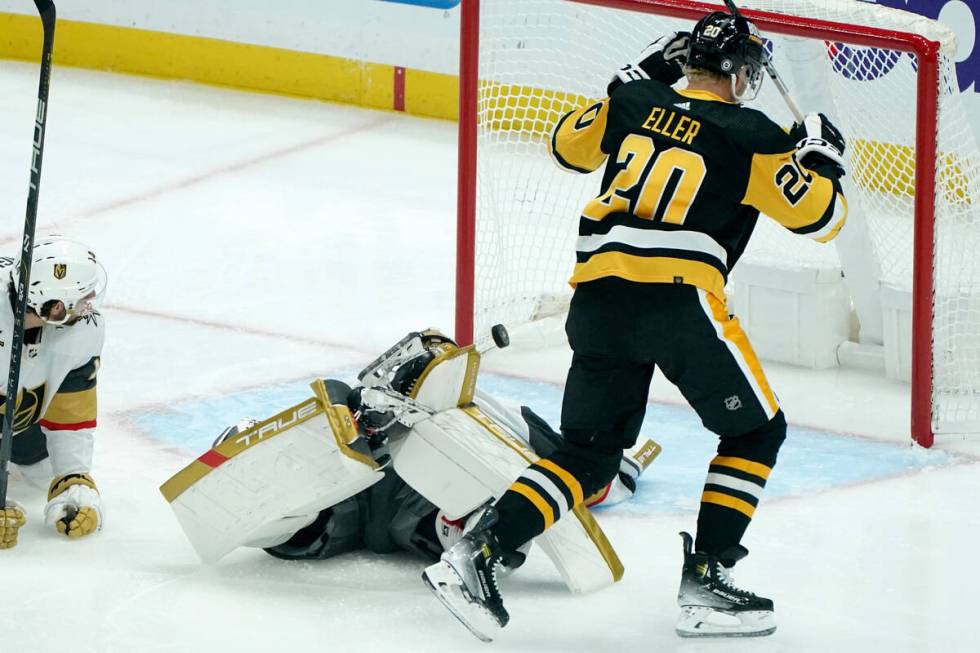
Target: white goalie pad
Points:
(460, 458)
(449, 380)
(273, 476)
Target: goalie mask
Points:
(65, 272)
(729, 45)
(408, 373)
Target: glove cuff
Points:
(814, 145)
(62, 483)
(13, 505)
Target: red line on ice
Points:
(181, 184)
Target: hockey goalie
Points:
(405, 460)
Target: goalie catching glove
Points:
(662, 60)
(74, 506)
(12, 517)
(820, 145)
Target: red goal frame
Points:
(927, 107)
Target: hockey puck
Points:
(500, 336)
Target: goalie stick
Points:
(46, 10)
(772, 72)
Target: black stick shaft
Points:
(47, 11)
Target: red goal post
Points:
(927, 91)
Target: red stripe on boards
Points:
(399, 82)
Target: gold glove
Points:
(12, 517)
(74, 505)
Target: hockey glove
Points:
(820, 145)
(662, 60)
(74, 506)
(12, 517)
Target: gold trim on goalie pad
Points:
(279, 423)
(480, 418)
(341, 424)
(176, 484)
(469, 380)
(647, 453)
(602, 543)
(581, 512)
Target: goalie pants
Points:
(620, 332)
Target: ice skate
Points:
(711, 605)
(465, 580)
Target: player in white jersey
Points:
(54, 428)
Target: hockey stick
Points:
(47, 11)
(772, 72)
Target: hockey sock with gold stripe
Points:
(736, 479)
(549, 489)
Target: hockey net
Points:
(887, 78)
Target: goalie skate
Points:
(465, 581)
(712, 606)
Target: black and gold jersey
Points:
(686, 177)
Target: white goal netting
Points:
(540, 58)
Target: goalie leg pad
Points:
(459, 458)
(281, 472)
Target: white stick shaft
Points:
(781, 86)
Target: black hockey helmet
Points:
(723, 43)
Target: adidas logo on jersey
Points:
(683, 105)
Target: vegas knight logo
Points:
(29, 405)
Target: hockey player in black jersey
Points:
(686, 175)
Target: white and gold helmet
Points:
(66, 271)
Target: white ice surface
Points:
(252, 239)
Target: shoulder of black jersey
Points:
(645, 88)
(759, 134)
(633, 100)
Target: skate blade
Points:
(699, 621)
(443, 581)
